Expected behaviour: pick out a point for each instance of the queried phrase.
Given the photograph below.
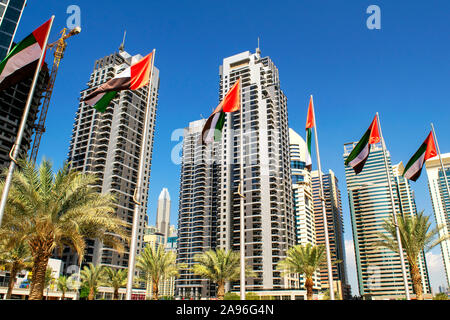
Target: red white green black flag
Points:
(22, 60)
(212, 130)
(132, 78)
(358, 157)
(310, 121)
(427, 150)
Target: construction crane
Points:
(59, 46)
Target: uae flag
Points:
(427, 150)
(212, 131)
(361, 151)
(132, 78)
(21, 62)
(309, 125)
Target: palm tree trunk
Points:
(220, 290)
(38, 277)
(116, 294)
(155, 290)
(309, 288)
(416, 280)
(91, 294)
(63, 295)
(12, 279)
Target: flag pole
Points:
(138, 190)
(440, 159)
(242, 218)
(394, 213)
(324, 211)
(15, 149)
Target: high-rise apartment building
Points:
(163, 213)
(10, 14)
(440, 199)
(209, 210)
(12, 102)
(335, 224)
(302, 191)
(407, 205)
(198, 208)
(109, 145)
(378, 269)
(268, 203)
(303, 202)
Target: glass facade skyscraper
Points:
(10, 13)
(378, 269)
(440, 199)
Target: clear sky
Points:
(321, 47)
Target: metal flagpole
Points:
(394, 213)
(15, 149)
(324, 210)
(240, 192)
(440, 160)
(138, 190)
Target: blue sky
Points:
(321, 47)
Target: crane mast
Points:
(59, 46)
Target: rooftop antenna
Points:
(258, 50)
(122, 45)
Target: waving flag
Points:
(361, 151)
(310, 121)
(427, 150)
(22, 60)
(133, 78)
(212, 131)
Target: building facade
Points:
(440, 199)
(268, 203)
(198, 208)
(12, 102)
(335, 224)
(109, 145)
(303, 201)
(378, 269)
(10, 14)
(163, 213)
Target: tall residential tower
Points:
(440, 199)
(109, 145)
(268, 204)
(379, 269)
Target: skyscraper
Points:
(13, 101)
(335, 225)
(109, 145)
(198, 209)
(163, 213)
(269, 218)
(407, 204)
(209, 211)
(440, 199)
(305, 225)
(10, 14)
(379, 269)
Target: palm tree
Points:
(63, 285)
(416, 238)
(15, 259)
(92, 276)
(306, 260)
(157, 265)
(219, 266)
(52, 211)
(116, 278)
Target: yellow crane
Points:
(59, 46)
